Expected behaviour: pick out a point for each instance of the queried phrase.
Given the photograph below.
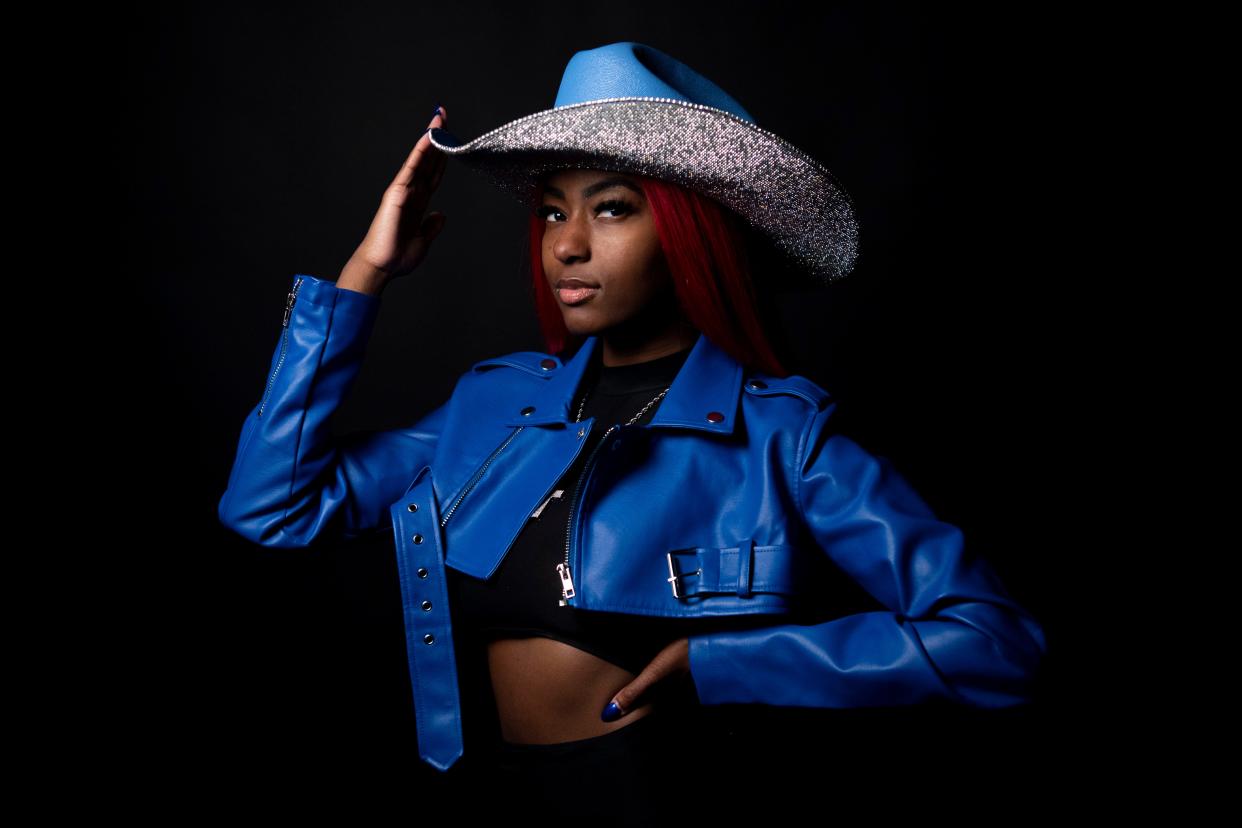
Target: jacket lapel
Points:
(704, 394)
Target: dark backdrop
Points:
(261, 140)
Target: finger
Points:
(441, 160)
(635, 694)
(437, 173)
(414, 167)
(431, 170)
(418, 246)
(613, 711)
(438, 160)
(628, 698)
(673, 660)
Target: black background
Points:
(259, 141)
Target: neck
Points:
(657, 334)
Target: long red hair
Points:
(705, 245)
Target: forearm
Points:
(976, 653)
(277, 494)
(362, 277)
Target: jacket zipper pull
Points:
(289, 300)
(567, 582)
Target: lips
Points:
(574, 291)
(574, 296)
(561, 284)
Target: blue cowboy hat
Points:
(627, 107)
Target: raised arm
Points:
(291, 479)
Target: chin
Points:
(583, 324)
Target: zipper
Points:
(284, 343)
(562, 569)
(477, 475)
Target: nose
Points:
(573, 241)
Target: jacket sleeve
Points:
(291, 480)
(950, 632)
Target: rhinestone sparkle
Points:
(779, 189)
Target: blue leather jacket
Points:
(738, 497)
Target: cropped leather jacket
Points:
(738, 497)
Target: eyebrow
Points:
(592, 189)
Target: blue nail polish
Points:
(436, 111)
(611, 713)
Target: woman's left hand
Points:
(671, 662)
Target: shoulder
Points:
(761, 385)
(513, 373)
(534, 363)
(500, 380)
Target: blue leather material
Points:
(428, 626)
(630, 69)
(740, 475)
(744, 570)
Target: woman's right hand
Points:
(400, 234)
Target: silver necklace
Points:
(562, 569)
(633, 419)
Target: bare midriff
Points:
(548, 691)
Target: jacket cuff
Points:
(360, 307)
(710, 681)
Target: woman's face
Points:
(601, 254)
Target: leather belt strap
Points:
(743, 569)
(428, 623)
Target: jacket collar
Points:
(703, 395)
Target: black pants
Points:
(652, 767)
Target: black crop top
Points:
(522, 598)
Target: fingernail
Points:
(436, 111)
(612, 712)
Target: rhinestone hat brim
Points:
(780, 190)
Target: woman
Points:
(690, 503)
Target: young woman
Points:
(651, 515)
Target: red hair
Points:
(705, 245)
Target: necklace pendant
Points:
(554, 496)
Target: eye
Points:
(614, 205)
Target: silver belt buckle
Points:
(674, 575)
